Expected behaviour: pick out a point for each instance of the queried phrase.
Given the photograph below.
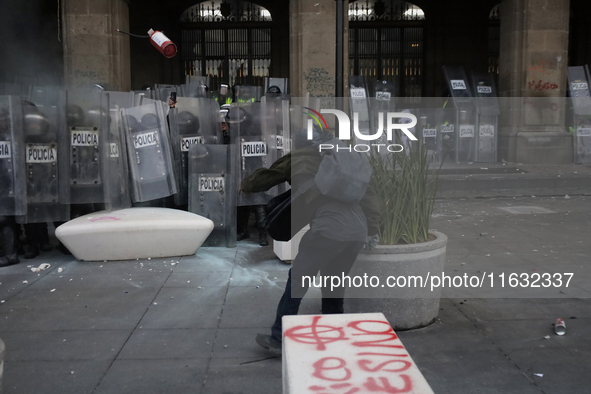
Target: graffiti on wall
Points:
(540, 76)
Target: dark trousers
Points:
(316, 253)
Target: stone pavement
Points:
(187, 325)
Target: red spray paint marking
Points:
(311, 334)
(104, 218)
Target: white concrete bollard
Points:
(346, 353)
(134, 233)
(287, 251)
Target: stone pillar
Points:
(93, 51)
(313, 47)
(533, 73)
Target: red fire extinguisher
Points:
(162, 43)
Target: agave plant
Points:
(406, 190)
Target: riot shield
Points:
(212, 190)
(251, 129)
(247, 94)
(487, 106)
(163, 93)
(428, 134)
(46, 159)
(88, 125)
(149, 152)
(578, 78)
(223, 96)
(461, 93)
(193, 121)
(118, 175)
(12, 160)
(281, 83)
(139, 95)
(193, 90)
(359, 104)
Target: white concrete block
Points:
(134, 233)
(348, 353)
(287, 251)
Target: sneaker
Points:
(269, 343)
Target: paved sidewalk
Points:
(187, 325)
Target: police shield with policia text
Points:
(251, 129)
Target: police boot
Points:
(44, 244)
(31, 240)
(242, 225)
(261, 215)
(8, 233)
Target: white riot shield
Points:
(88, 125)
(149, 152)
(463, 100)
(46, 159)
(487, 106)
(193, 121)
(12, 160)
(257, 144)
(118, 177)
(212, 190)
(580, 93)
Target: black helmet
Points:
(188, 123)
(237, 116)
(94, 115)
(274, 89)
(149, 121)
(75, 115)
(132, 123)
(35, 122)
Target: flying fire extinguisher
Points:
(159, 40)
(162, 43)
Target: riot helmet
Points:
(75, 115)
(237, 117)
(35, 123)
(132, 123)
(188, 123)
(149, 121)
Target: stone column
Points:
(533, 73)
(313, 47)
(93, 51)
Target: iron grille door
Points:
(393, 54)
(228, 55)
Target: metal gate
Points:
(231, 48)
(386, 43)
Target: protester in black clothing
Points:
(338, 231)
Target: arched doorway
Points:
(386, 43)
(227, 40)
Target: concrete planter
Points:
(405, 307)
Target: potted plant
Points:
(409, 253)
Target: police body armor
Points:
(46, 160)
(12, 159)
(193, 121)
(149, 152)
(251, 127)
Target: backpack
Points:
(343, 175)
